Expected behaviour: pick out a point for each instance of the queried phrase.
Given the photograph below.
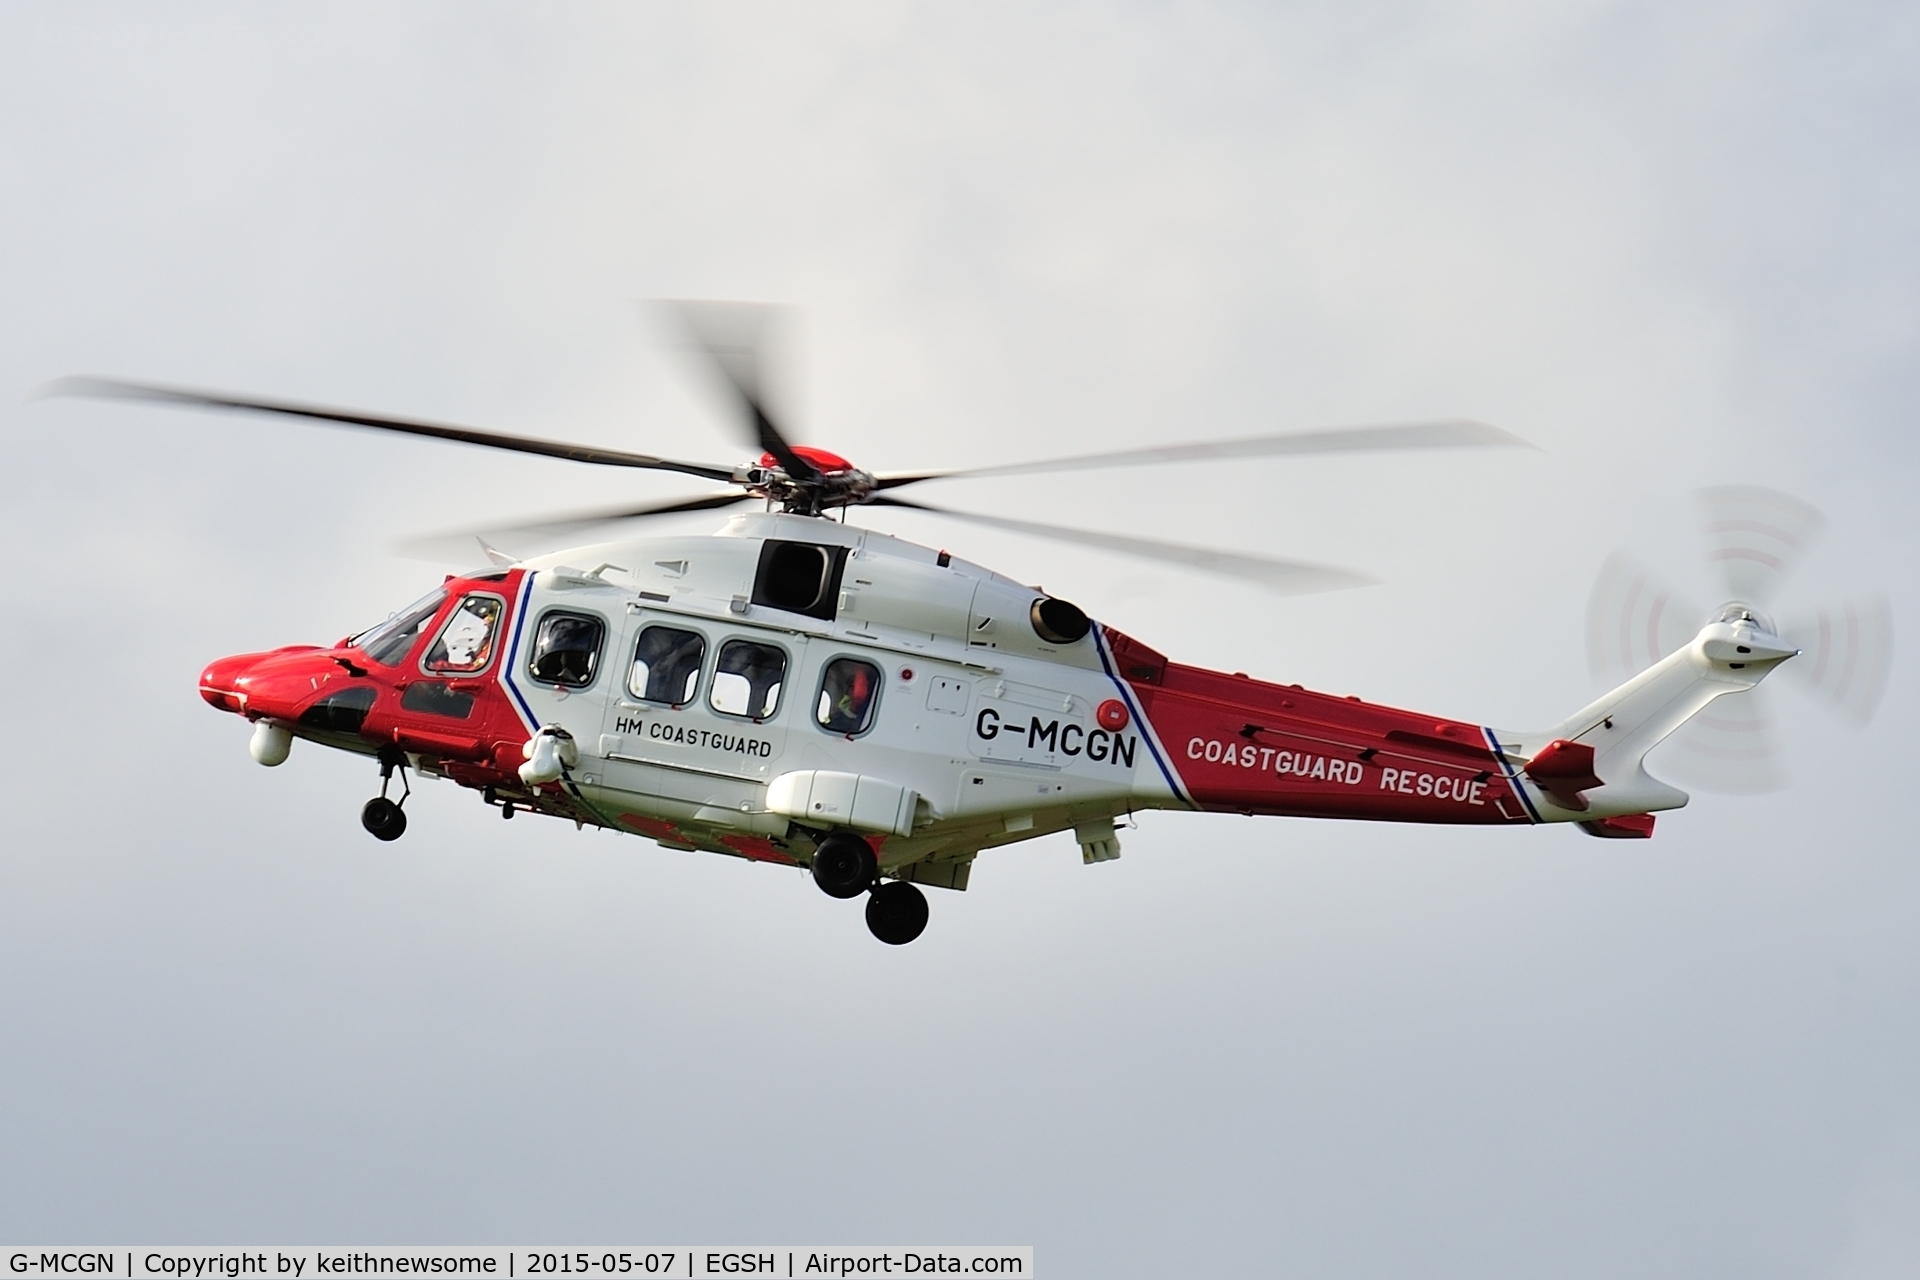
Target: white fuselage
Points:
(988, 731)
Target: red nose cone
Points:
(220, 682)
(261, 684)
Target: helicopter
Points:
(804, 692)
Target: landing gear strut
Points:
(896, 912)
(384, 818)
(844, 866)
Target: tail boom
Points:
(1229, 743)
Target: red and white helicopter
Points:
(797, 690)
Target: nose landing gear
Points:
(844, 867)
(384, 819)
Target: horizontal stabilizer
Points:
(1628, 826)
(1564, 770)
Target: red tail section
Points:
(1239, 745)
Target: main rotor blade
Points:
(436, 546)
(1453, 433)
(114, 389)
(1287, 577)
(733, 337)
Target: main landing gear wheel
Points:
(844, 866)
(385, 819)
(897, 912)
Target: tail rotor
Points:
(1755, 538)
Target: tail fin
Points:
(1591, 767)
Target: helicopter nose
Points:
(259, 684)
(220, 682)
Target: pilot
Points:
(467, 642)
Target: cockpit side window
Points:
(391, 641)
(848, 690)
(465, 643)
(666, 665)
(566, 647)
(747, 679)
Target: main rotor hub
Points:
(837, 482)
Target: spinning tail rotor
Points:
(1755, 537)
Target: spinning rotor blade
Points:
(109, 388)
(1728, 748)
(1754, 537)
(1633, 621)
(442, 546)
(734, 337)
(1845, 655)
(1287, 577)
(1458, 433)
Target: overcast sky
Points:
(1672, 246)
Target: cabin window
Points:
(666, 665)
(565, 648)
(848, 690)
(391, 641)
(747, 679)
(465, 643)
(799, 577)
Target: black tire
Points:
(844, 866)
(384, 819)
(897, 912)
